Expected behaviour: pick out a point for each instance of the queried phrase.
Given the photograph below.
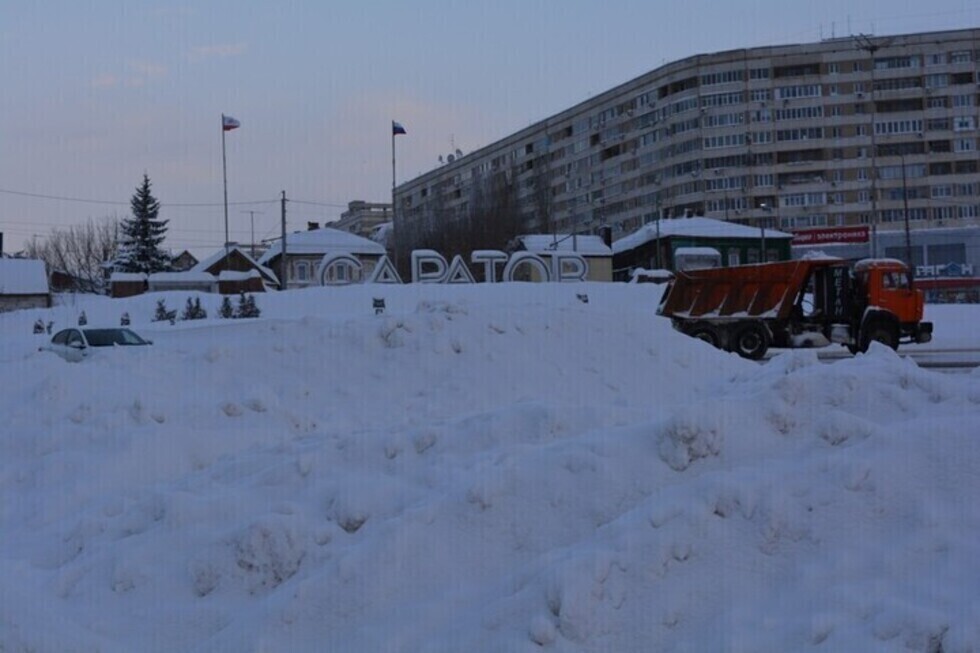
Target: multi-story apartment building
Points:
(362, 218)
(847, 131)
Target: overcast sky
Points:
(94, 93)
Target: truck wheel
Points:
(751, 342)
(879, 333)
(705, 333)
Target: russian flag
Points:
(396, 128)
(228, 123)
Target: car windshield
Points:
(109, 337)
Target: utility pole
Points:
(283, 269)
(252, 220)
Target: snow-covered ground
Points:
(481, 468)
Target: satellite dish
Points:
(459, 153)
(450, 158)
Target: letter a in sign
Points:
(458, 272)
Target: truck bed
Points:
(764, 291)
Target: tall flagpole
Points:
(393, 184)
(224, 171)
(396, 129)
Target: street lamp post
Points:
(865, 43)
(908, 231)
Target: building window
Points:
(898, 127)
(833, 68)
(965, 145)
(963, 100)
(960, 56)
(302, 271)
(964, 123)
(891, 63)
(799, 91)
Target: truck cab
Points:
(892, 307)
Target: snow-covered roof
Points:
(656, 274)
(23, 276)
(182, 277)
(696, 251)
(232, 275)
(586, 245)
(323, 241)
(692, 227)
(127, 276)
(383, 232)
(203, 265)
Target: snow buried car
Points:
(77, 344)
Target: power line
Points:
(81, 200)
(335, 206)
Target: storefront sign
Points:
(948, 270)
(836, 235)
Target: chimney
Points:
(312, 226)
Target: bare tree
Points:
(79, 251)
(491, 220)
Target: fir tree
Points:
(247, 306)
(161, 315)
(142, 234)
(193, 310)
(188, 313)
(226, 311)
(199, 311)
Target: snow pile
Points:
(483, 468)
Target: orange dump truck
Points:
(806, 303)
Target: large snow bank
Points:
(482, 468)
